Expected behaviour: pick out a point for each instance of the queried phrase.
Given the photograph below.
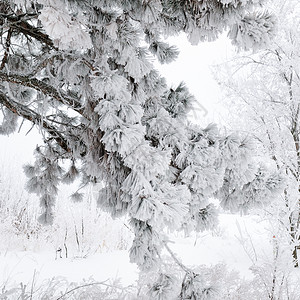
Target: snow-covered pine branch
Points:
(78, 70)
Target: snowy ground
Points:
(223, 245)
(19, 267)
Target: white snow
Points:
(223, 245)
(16, 267)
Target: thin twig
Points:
(86, 285)
(32, 284)
(182, 266)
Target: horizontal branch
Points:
(44, 88)
(20, 25)
(28, 114)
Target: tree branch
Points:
(7, 46)
(45, 89)
(35, 118)
(20, 25)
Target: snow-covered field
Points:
(228, 244)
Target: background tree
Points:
(264, 88)
(78, 71)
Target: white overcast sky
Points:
(193, 66)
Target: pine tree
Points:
(81, 72)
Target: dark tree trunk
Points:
(295, 257)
